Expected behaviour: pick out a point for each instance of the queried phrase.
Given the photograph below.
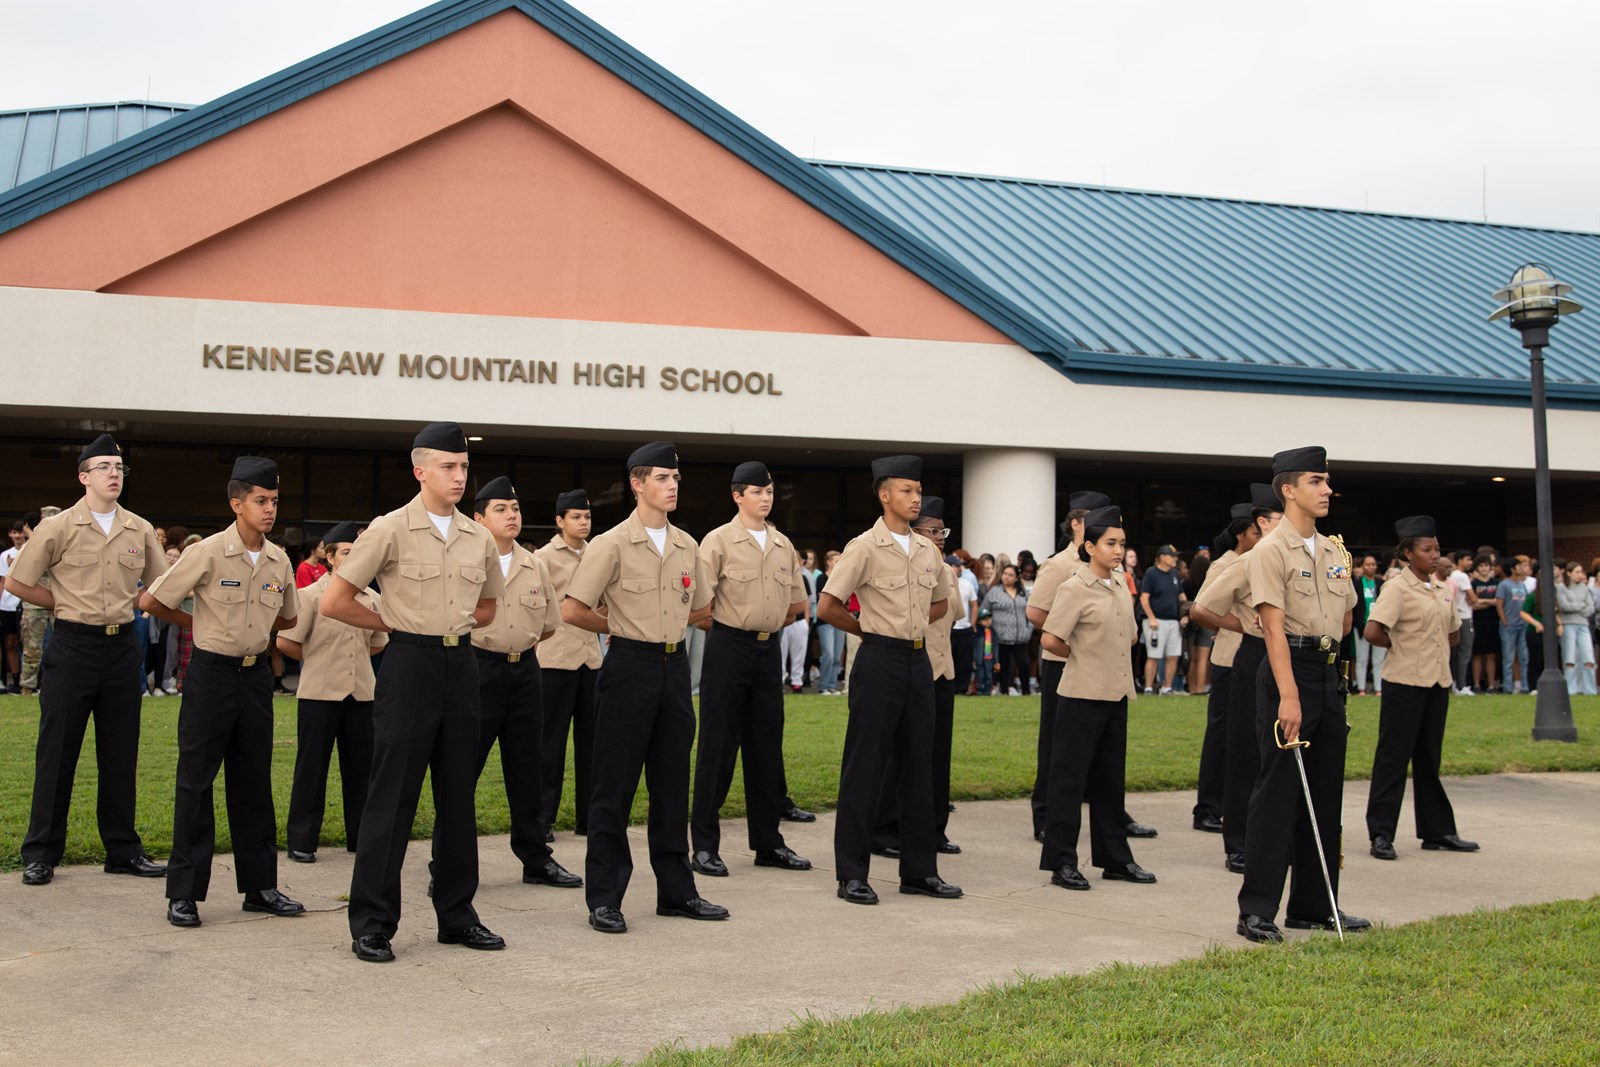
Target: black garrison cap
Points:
(752, 473)
(654, 454)
(1415, 526)
(343, 533)
(1087, 498)
(495, 489)
(1312, 458)
(572, 499)
(1241, 511)
(1109, 515)
(932, 508)
(444, 436)
(1262, 497)
(897, 467)
(100, 446)
(255, 470)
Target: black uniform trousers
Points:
(1410, 730)
(644, 721)
(741, 708)
(90, 674)
(425, 718)
(1214, 746)
(1278, 837)
(886, 833)
(510, 710)
(1089, 762)
(225, 721)
(891, 718)
(568, 704)
(1049, 682)
(320, 725)
(1243, 753)
(961, 649)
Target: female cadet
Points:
(1090, 626)
(1415, 620)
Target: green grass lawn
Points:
(1497, 987)
(994, 758)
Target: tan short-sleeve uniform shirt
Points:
(235, 601)
(1421, 617)
(570, 647)
(1226, 591)
(940, 655)
(95, 576)
(648, 594)
(1312, 588)
(895, 589)
(1094, 616)
(1052, 572)
(751, 587)
(525, 609)
(335, 657)
(430, 585)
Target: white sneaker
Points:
(150, 694)
(1465, 691)
(1167, 691)
(171, 688)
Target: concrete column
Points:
(1008, 501)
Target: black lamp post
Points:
(1535, 301)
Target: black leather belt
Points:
(69, 627)
(664, 647)
(1313, 649)
(509, 657)
(905, 644)
(1253, 641)
(238, 663)
(431, 640)
(762, 636)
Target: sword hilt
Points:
(1277, 737)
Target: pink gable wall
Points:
(496, 171)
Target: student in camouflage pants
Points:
(35, 622)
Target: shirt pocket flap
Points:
(533, 601)
(743, 575)
(419, 572)
(131, 561)
(228, 594)
(638, 585)
(889, 581)
(1303, 586)
(79, 559)
(927, 581)
(271, 599)
(475, 575)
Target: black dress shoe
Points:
(183, 913)
(38, 873)
(581, 831)
(782, 858)
(1038, 835)
(949, 848)
(1449, 843)
(430, 888)
(1069, 878)
(931, 886)
(693, 908)
(949, 807)
(372, 948)
(608, 920)
(1325, 922)
(1139, 829)
(273, 903)
(795, 813)
(475, 936)
(857, 891)
(549, 835)
(888, 852)
(708, 863)
(141, 866)
(1383, 848)
(302, 857)
(1235, 862)
(1208, 824)
(552, 873)
(1131, 873)
(1259, 928)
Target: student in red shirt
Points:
(314, 566)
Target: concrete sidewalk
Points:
(90, 972)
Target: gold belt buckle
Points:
(670, 646)
(248, 661)
(1324, 643)
(763, 635)
(114, 629)
(513, 657)
(452, 640)
(916, 642)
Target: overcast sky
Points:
(1393, 106)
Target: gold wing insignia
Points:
(1338, 542)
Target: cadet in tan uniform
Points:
(1300, 586)
(35, 621)
(902, 585)
(569, 662)
(243, 589)
(1207, 810)
(510, 691)
(1415, 620)
(334, 705)
(1090, 626)
(441, 578)
(752, 575)
(647, 575)
(96, 554)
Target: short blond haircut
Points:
(420, 456)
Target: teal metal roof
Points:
(39, 140)
(1177, 286)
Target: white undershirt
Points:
(104, 520)
(761, 537)
(505, 564)
(1311, 544)
(255, 557)
(442, 524)
(658, 537)
(903, 540)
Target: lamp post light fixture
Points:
(1534, 301)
